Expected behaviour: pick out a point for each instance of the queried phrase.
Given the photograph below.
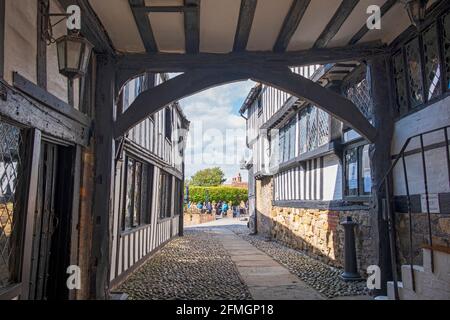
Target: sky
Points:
(217, 136)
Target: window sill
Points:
(133, 230)
(335, 205)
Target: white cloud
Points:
(217, 135)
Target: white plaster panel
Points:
(316, 18)
(332, 178)
(56, 82)
(218, 23)
(117, 18)
(432, 117)
(267, 23)
(356, 20)
(393, 23)
(168, 29)
(21, 39)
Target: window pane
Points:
(366, 178)
(414, 73)
(10, 165)
(432, 65)
(447, 49)
(129, 194)
(351, 160)
(400, 83)
(137, 195)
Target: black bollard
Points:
(350, 263)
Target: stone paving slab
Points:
(265, 278)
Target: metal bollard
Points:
(350, 263)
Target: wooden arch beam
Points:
(187, 84)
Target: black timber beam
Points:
(291, 24)
(246, 16)
(192, 25)
(91, 27)
(189, 83)
(363, 31)
(174, 62)
(335, 24)
(143, 23)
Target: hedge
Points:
(216, 194)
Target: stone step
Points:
(390, 289)
(407, 276)
(441, 263)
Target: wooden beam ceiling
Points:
(192, 25)
(291, 24)
(363, 31)
(335, 24)
(172, 62)
(143, 24)
(246, 16)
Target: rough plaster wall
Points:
(56, 82)
(434, 116)
(20, 39)
(332, 178)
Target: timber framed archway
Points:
(191, 82)
(214, 42)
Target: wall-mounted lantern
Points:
(74, 53)
(416, 11)
(73, 50)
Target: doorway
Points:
(52, 226)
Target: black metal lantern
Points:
(74, 53)
(416, 11)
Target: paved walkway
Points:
(219, 261)
(265, 278)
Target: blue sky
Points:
(217, 135)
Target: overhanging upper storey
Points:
(217, 26)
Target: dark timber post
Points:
(104, 173)
(380, 154)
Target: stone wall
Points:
(192, 219)
(440, 229)
(264, 191)
(319, 234)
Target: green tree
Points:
(212, 177)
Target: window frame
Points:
(145, 212)
(444, 81)
(361, 195)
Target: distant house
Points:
(238, 183)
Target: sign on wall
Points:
(433, 200)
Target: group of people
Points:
(220, 208)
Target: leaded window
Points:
(432, 63)
(414, 66)
(358, 179)
(359, 94)
(165, 195)
(400, 83)
(287, 141)
(138, 194)
(314, 129)
(446, 44)
(10, 164)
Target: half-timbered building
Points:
(48, 159)
(90, 139)
(311, 172)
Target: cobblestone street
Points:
(221, 261)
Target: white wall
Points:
(332, 181)
(432, 117)
(20, 39)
